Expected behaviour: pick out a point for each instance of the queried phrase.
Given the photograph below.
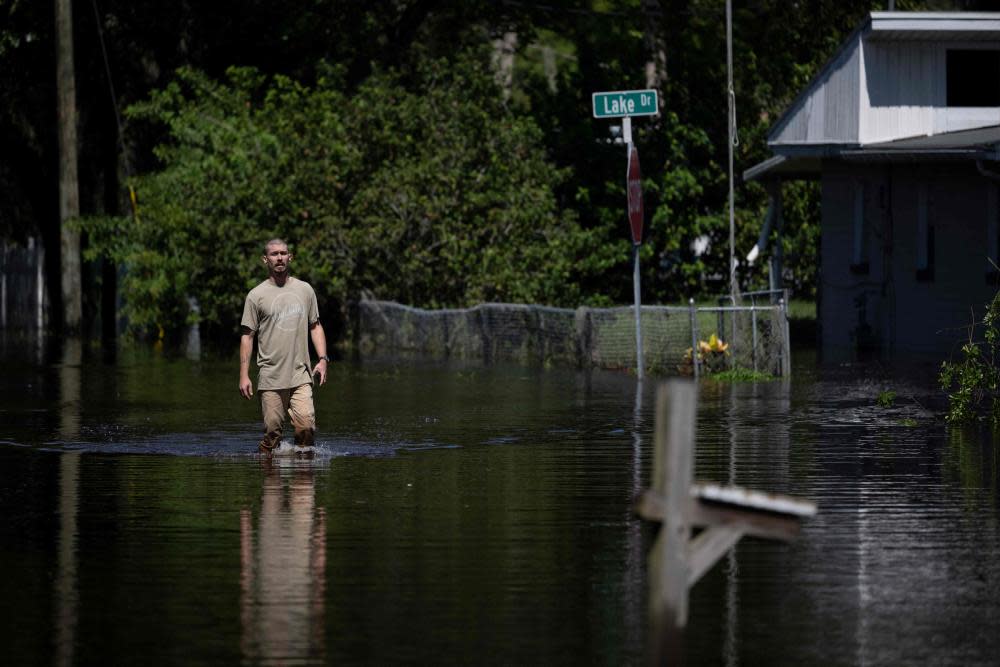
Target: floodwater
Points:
(471, 515)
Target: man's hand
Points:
(246, 387)
(320, 368)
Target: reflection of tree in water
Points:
(283, 565)
(972, 462)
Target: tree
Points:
(440, 197)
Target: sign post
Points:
(635, 219)
(625, 104)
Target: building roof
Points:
(982, 143)
(979, 137)
(967, 26)
(848, 97)
(886, 101)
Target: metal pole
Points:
(639, 362)
(786, 366)
(753, 320)
(731, 103)
(694, 337)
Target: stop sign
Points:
(634, 182)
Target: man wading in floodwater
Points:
(281, 312)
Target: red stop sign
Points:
(634, 182)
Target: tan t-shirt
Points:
(281, 317)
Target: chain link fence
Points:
(756, 335)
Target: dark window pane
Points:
(973, 78)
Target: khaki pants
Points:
(298, 403)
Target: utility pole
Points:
(69, 188)
(731, 103)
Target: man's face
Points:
(277, 258)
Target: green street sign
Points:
(625, 103)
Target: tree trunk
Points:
(656, 50)
(503, 54)
(69, 189)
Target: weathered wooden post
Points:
(725, 514)
(672, 466)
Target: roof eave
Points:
(928, 155)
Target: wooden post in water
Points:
(672, 466)
(725, 514)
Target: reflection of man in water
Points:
(282, 313)
(283, 570)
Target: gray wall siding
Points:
(876, 91)
(851, 306)
(828, 111)
(933, 315)
(902, 84)
(904, 315)
(904, 91)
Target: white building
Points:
(902, 128)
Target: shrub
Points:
(972, 381)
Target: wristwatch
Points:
(326, 358)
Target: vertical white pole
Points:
(639, 363)
(731, 104)
(693, 313)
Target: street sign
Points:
(634, 183)
(625, 103)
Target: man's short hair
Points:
(274, 241)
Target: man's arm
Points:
(319, 342)
(246, 349)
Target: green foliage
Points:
(973, 381)
(740, 374)
(428, 191)
(885, 399)
(255, 152)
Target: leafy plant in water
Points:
(975, 378)
(886, 398)
(712, 355)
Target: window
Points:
(973, 77)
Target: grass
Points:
(799, 309)
(740, 374)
